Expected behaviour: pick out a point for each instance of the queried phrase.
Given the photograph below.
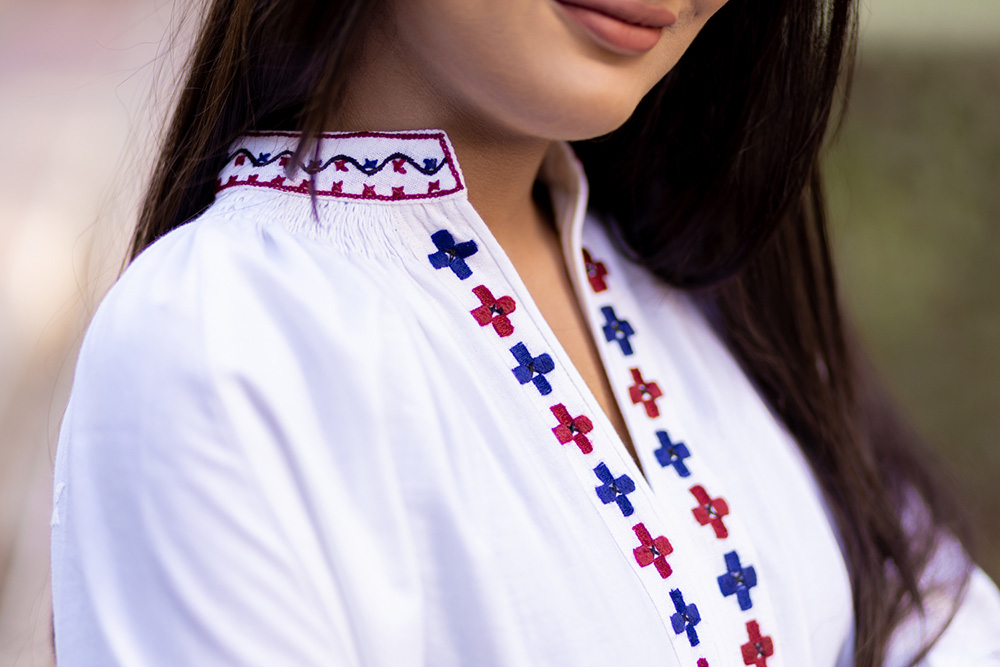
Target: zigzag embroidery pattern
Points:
(340, 163)
(430, 167)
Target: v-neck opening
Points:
(562, 175)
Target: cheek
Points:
(517, 64)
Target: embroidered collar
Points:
(376, 166)
(391, 167)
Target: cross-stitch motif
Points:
(615, 489)
(645, 393)
(710, 511)
(652, 550)
(596, 271)
(617, 330)
(685, 618)
(738, 580)
(758, 649)
(451, 254)
(494, 311)
(532, 369)
(572, 428)
(672, 453)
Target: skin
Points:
(505, 80)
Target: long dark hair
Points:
(713, 184)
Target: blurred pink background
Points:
(76, 107)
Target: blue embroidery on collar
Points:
(672, 454)
(617, 330)
(451, 254)
(532, 369)
(685, 618)
(615, 489)
(738, 580)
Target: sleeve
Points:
(972, 638)
(171, 543)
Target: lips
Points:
(626, 27)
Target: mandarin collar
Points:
(390, 168)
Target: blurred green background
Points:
(914, 183)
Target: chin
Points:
(565, 112)
(578, 123)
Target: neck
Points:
(389, 92)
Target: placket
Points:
(736, 603)
(686, 547)
(700, 601)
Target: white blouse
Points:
(346, 436)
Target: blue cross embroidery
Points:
(686, 618)
(452, 254)
(672, 454)
(615, 489)
(263, 157)
(430, 163)
(370, 164)
(738, 580)
(617, 330)
(532, 369)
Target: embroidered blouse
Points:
(344, 435)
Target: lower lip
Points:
(618, 36)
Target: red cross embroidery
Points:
(652, 550)
(368, 192)
(399, 165)
(341, 165)
(240, 160)
(758, 649)
(283, 162)
(277, 181)
(595, 272)
(710, 510)
(494, 311)
(397, 193)
(645, 393)
(572, 428)
(433, 186)
(702, 662)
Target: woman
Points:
(372, 394)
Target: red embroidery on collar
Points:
(758, 649)
(494, 311)
(645, 392)
(596, 271)
(572, 428)
(652, 550)
(409, 178)
(710, 511)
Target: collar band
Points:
(373, 166)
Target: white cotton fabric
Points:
(290, 443)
